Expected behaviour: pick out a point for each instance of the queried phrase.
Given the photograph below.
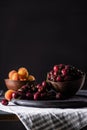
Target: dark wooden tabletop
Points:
(5, 116)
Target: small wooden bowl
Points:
(16, 84)
(68, 88)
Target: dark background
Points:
(38, 34)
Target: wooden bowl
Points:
(16, 84)
(68, 88)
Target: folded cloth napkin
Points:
(48, 118)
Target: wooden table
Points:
(10, 121)
(5, 116)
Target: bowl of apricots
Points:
(17, 78)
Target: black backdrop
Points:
(38, 34)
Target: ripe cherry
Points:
(41, 89)
(51, 72)
(59, 95)
(49, 76)
(55, 73)
(37, 96)
(15, 95)
(44, 83)
(29, 95)
(4, 102)
(67, 67)
(61, 66)
(38, 85)
(64, 72)
(59, 78)
(56, 68)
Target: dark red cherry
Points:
(29, 95)
(15, 95)
(59, 95)
(49, 76)
(41, 89)
(37, 96)
(38, 85)
(67, 67)
(59, 78)
(56, 68)
(4, 102)
(64, 72)
(61, 66)
(24, 88)
(51, 72)
(44, 83)
(55, 73)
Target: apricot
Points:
(15, 76)
(31, 78)
(11, 73)
(8, 94)
(23, 73)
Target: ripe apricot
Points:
(31, 78)
(11, 73)
(8, 94)
(23, 73)
(15, 76)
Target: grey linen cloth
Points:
(48, 118)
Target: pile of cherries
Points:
(42, 91)
(62, 72)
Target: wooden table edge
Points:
(8, 117)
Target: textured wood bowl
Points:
(16, 84)
(68, 88)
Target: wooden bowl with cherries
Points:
(66, 79)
